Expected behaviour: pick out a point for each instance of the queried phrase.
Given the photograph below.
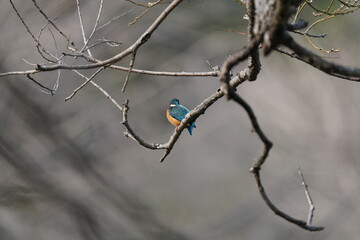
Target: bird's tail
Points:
(190, 128)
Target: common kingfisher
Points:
(176, 113)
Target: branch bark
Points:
(337, 70)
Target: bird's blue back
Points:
(179, 112)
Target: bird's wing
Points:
(178, 112)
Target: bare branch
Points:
(19, 72)
(260, 161)
(82, 27)
(190, 117)
(308, 196)
(136, 45)
(278, 212)
(38, 45)
(110, 43)
(95, 26)
(311, 35)
(214, 73)
(108, 96)
(52, 23)
(147, 8)
(83, 85)
(349, 73)
(113, 19)
(231, 94)
(131, 65)
(343, 9)
(47, 90)
(131, 133)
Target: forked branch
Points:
(236, 58)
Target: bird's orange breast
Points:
(172, 120)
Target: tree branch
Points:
(251, 51)
(308, 197)
(349, 73)
(133, 48)
(83, 85)
(190, 117)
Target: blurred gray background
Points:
(67, 171)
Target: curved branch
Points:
(255, 169)
(131, 133)
(349, 73)
(278, 212)
(251, 51)
(190, 117)
(234, 60)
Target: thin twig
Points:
(52, 23)
(48, 90)
(95, 26)
(38, 45)
(84, 84)
(56, 85)
(147, 6)
(311, 42)
(54, 59)
(82, 26)
(114, 19)
(131, 65)
(107, 95)
(136, 3)
(311, 35)
(136, 45)
(110, 43)
(309, 199)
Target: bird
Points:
(176, 113)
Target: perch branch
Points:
(190, 117)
